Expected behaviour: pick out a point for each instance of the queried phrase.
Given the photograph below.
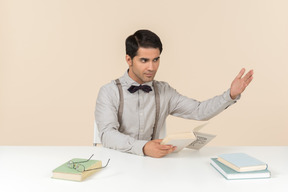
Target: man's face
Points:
(144, 65)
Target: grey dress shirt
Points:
(139, 113)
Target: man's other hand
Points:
(155, 149)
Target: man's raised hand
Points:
(240, 83)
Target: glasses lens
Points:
(70, 164)
(79, 167)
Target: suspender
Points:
(157, 101)
(120, 110)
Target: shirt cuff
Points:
(227, 96)
(138, 147)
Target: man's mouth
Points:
(149, 74)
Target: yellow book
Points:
(193, 140)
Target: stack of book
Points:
(240, 166)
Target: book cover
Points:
(193, 140)
(67, 173)
(242, 162)
(231, 174)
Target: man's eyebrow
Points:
(147, 59)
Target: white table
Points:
(28, 168)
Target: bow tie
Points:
(145, 88)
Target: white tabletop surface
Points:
(28, 168)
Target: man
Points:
(140, 124)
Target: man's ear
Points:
(129, 60)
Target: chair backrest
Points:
(97, 139)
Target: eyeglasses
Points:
(81, 168)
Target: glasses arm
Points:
(106, 163)
(99, 167)
(83, 161)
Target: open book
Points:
(193, 140)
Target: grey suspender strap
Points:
(120, 110)
(157, 101)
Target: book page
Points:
(201, 140)
(197, 129)
(180, 140)
(180, 144)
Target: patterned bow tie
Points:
(145, 88)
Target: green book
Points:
(67, 173)
(230, 174)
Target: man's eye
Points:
(143, 60)
(155, 59)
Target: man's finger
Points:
(240, 73)
(166, 147)
(248, 75)
(248, 81)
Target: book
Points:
(67, 173)
(231, 174)
(193, 140)
(242, 162)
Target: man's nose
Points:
(151, 66)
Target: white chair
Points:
(97, 140)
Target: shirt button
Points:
(141, 114)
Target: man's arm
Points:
(188, 108)
(106, 115)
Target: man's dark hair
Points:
(144, 39)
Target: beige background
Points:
(55, 55)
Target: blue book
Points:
(231, 174)
(242, 162)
